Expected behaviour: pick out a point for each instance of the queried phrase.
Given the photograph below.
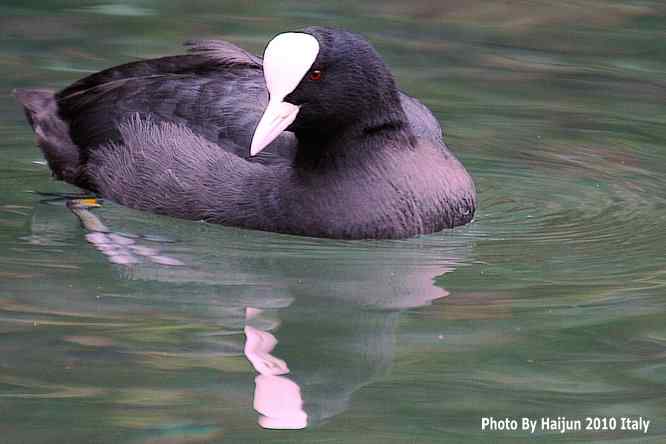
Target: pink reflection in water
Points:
(121, 249)
(276, 398)
(258, 345)
(279, 400)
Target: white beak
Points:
(277, 117)
(287, 58)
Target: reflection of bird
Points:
(335, 307)
(171, 135)
(119, 248)
(276, 397)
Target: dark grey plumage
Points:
(171, 135)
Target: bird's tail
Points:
(62, 155)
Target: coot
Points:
(315, 139)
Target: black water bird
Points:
(314, 139)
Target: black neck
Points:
(328, 147)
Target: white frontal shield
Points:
(287, 58)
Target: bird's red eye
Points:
(315, 75)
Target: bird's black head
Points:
(327, 83)
(347, 84)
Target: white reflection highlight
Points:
(258, 345)
(276, 398)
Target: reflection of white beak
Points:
(277, 117)
(277, 398)
(287, 58)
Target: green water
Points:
(550, 304)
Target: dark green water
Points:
(552, 303)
